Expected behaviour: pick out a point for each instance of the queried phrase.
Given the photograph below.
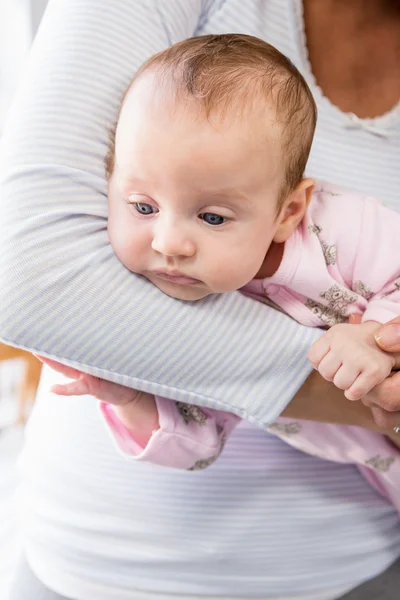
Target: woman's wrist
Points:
(320, 400)
(393, 437)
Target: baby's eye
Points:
(212, 218)
(145, 209)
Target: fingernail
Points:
(388, 337)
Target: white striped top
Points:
(265, 521)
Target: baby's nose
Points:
(170, 241)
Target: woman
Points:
(265, 521)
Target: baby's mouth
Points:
(176, 277)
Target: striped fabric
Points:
(265, 521)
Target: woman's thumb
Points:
(388, 336)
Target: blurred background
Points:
(19, 21)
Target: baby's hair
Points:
(223, 70)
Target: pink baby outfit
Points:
(344, 258)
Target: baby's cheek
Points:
(123, 244)
(245, 266)
(230, 273)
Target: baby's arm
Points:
(152, 429)
(188, 437)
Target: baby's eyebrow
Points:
(232, 194)
(127, 184)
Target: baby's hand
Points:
(137, 410)
(349, 356)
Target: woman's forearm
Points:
(320, 400)
(63, 292)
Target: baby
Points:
(207, 195)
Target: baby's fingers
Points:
(364, 383)
(74, 388)
(346, 376)
(318, 350)
(329, 366)
(112, 393)
(106, 391)
(60, 367)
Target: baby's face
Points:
(192, 205)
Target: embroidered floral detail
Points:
(286, 428)
(396, 288)
(315, 229)
(330, 193)
(329, 250)
(380, 464)
(339, 298)
(203, 463)
(330, 253)
(191, 414)
(324, 313)
(362, 289)
(206, 462)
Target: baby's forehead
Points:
(158, 98)
(156, 111)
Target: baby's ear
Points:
(293, 210)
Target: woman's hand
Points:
(384, 402)
(388, 337)
(384, 399)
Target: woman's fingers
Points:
(388, 338)
(386, 398)
(385, 419)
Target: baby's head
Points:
(206, 164)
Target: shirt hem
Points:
(78, 589)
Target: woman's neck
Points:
(354, 51)
(365, 12)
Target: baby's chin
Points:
(187, 293)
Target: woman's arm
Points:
(319, 400)
(63, 293)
